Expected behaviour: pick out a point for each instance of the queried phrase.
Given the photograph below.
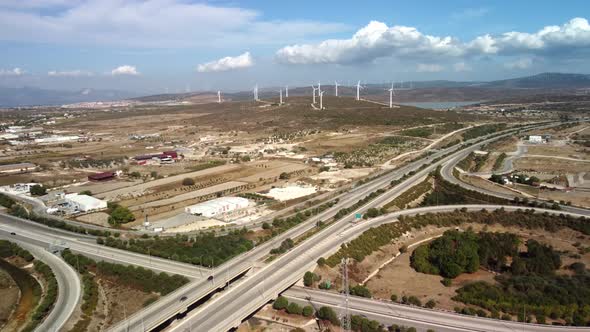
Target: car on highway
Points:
(12, 233)
(210, 278)
(182, 299)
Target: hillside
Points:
(30, 96)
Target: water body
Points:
(441, 105)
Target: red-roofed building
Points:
(104, 176)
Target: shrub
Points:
(327, 313)
(294, 308)
(280, 303)
(430, 304)
(393, 297)
(38, 190)
(447, 282)
(307, 311)
(188, 182)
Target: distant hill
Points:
(30, 96)
(544, 81)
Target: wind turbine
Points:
(314, 89)
(336, 88)
(287, 91)
(391, 93)
(358, 90)
(281, 97)
(219, 96)
(319, 87)
(256, 92)
(321, 100)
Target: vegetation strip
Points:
(47, 300)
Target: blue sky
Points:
(153, 46)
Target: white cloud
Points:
(377, 40)
(429, 68)
(125, 70)
(461, 66)
(227, 63)
(523, 63)
(70, 73)
(12, 72)
(374, 41)
(148, 24)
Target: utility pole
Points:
(345, 285)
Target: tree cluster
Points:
(137, 277)
(459, 252)
(204, 249)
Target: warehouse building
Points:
(218, 206)
(84, 203)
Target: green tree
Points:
(294, 308)
(327, 313)
(280, 303)
(307, 311)
(120, 215)
(38, 190)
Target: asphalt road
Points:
(447, 174)
(45, 237)
(423, 319)
(68, 283)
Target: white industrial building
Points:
(536, 139)
(218, 206)
(57, 139)
(84, 203)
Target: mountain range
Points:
(438, 90)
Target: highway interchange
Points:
(262, 282)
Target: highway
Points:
(68, 283)
(170, 305)
(390, 313)
(45, 237)
(447, 174)
(167, 307)
(162, 310)
(232, 306)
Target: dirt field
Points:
(115, 303)
(399, 278)
(9, 293)
(578, 197)
(489, 185)
(551, 165)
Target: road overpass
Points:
(46, 237)
(389, 313)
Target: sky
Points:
(158, 46)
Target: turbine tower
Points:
(281, 97)
(322, 100)
(358, 90)
(287, 91)
(314, 89)
(336, 88)
(219, 96)
(256, 92)
(391, 93)
(319, 87)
